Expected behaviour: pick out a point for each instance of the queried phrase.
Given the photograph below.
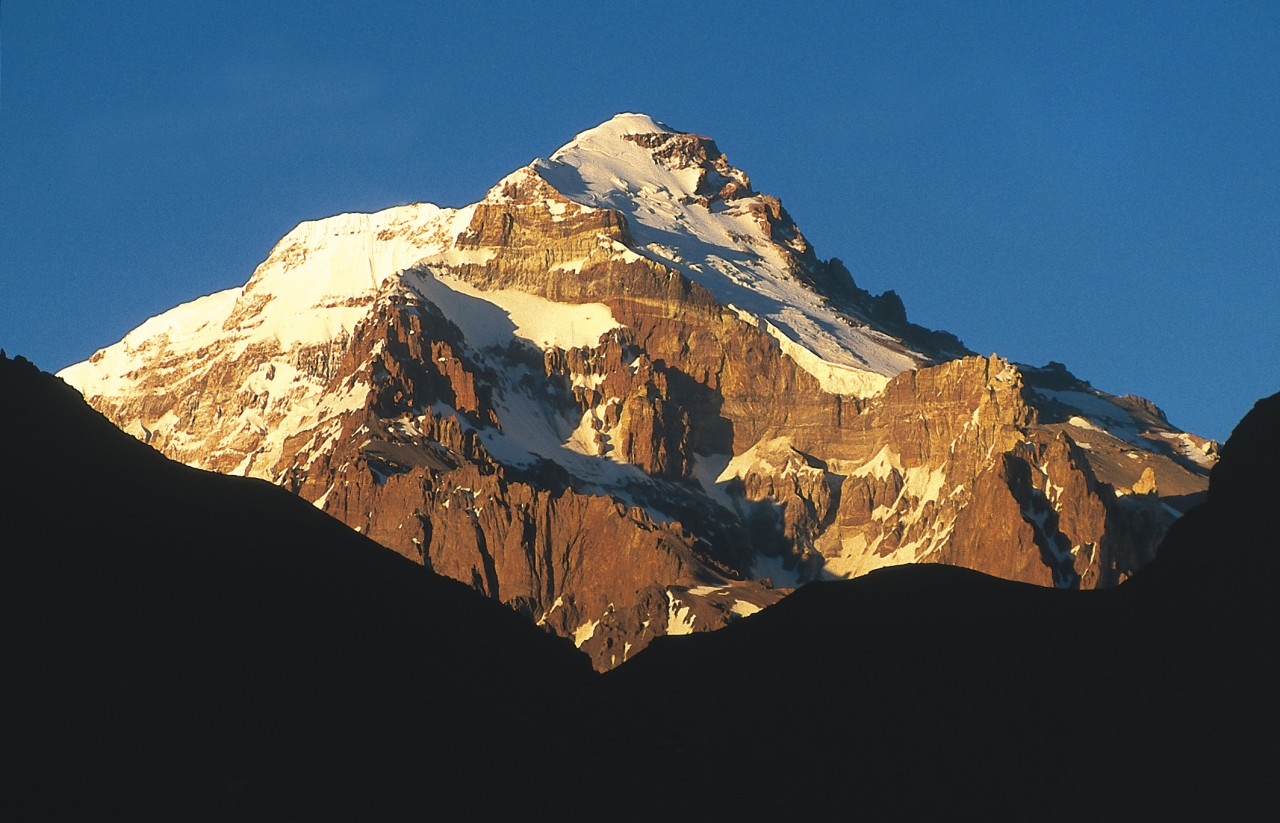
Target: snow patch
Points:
(680, 617)
(1084, 423)
(320, 501)
(772, 568)
(757, 459)
(881, 466)
(584, 632)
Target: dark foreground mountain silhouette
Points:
(919, 691)
(174, 657)
(188, 643)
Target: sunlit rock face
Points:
(624, 396)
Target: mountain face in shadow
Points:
(187, 645)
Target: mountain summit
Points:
(686, 207)
(623, 395)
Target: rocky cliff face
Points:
(622, 395)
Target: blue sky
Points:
(1093, 183)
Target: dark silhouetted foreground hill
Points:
(175, 657)
(189, 644)
(940, 691)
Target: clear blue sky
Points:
(1094, 183)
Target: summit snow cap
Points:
(611, 164)
(616, 127)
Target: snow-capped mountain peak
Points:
(688, 208)
(617, 388)
(634, 164)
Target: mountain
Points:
(623, 395)
(203, 647)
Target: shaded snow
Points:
(511, 313)
(773, 569)
(708, 471)
(1100, 415)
